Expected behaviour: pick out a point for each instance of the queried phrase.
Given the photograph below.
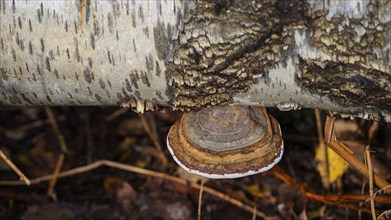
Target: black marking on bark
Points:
(134, 24)
(162, 42)
(134, 45)
(128, 86)
(15, 100)
(39, 16)
(20, 70)
(57, 20)
(42, 45)
(110, 22)
(21, 45)
(58, 50)
(134, 79)
(68, 54)
(39, 70)
(49, 99)
(98, 98)
(27, 67)
(88, 11)
(102, 84)
(109, 83)
(2, 44)
(25, 98)
(34, 77)
(77, 76)
(41, 11)
(51, 55)
(160, 7)
(127, 7)
(48, 64)
(88, 75)
(13, 6)
(75, 26)
(89, 91)
(13, 54)
(17, 38)
(70, 95)
(14, 22)
(92, 41)
(149, 62)
(77, 53)
(20, 22)
(158, 70)
(144, 79)
(66, 25)
(146, 31)
(96, 27)
(120, 96)
(56, 73)
(35, 95)
(3, 73)
(112, 59)
(109, 56)
(30, 26)
(90, 62)
(159, 94)
(117, 35)
(141, 14)
(30, 48)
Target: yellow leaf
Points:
(317, 213)
(255, 191)
(140, 164)
(336, 165)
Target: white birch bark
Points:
(192, 54)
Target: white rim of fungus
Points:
(230, 175)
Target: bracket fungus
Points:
(226, 141)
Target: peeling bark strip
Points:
(327, 54)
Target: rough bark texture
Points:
(330, 54)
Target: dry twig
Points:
(345, 153)
(15, 168)
(370, 172)
(54, 178)
(152, 133)
(337, 200)
(323, 147)
(200, 200)
(115, 114)
(57, 131)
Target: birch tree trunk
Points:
(327, 54)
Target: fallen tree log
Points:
(332, 55)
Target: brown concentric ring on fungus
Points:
(226, 141)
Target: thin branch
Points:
(57, 131)
(200, 200)
(115, 114)
(370, 171)
(152, 133)
(16, 169)
(323, 147)
(342, 151)
(337, 200)
(53, 180)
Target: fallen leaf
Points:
(255, 191)
(336, 165)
